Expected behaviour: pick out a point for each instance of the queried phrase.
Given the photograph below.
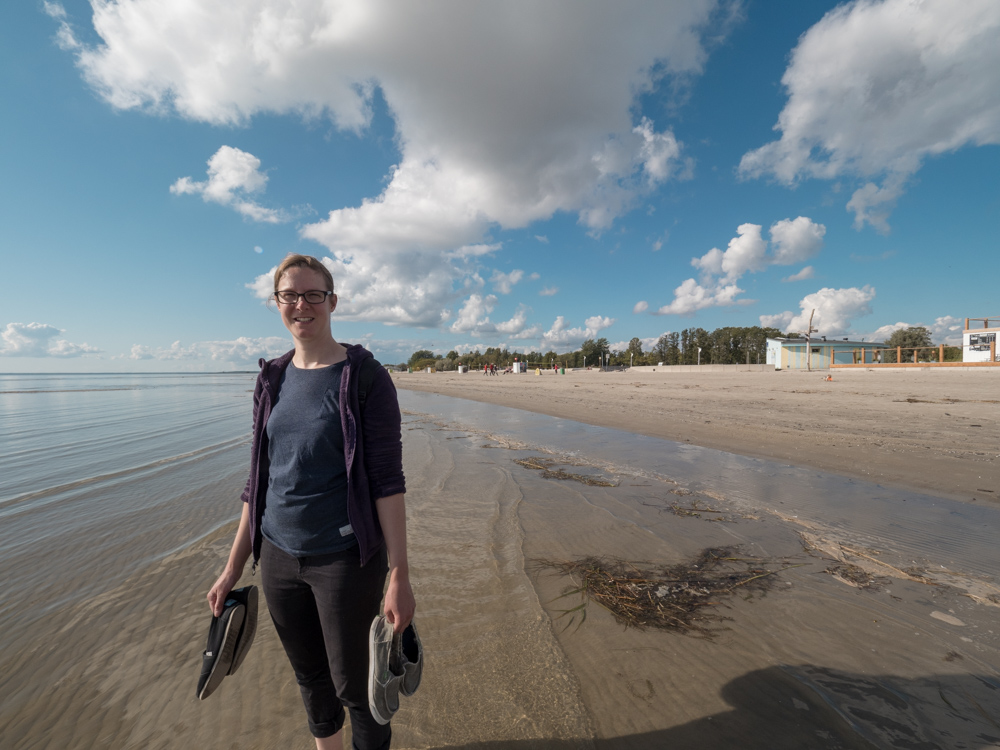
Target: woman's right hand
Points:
(220, 590)
(238, 557)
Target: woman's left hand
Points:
(399, 602)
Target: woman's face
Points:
(305, 321)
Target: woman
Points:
(323, 506)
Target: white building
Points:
(979, 342)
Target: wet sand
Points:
(909, 658)
(930, 429)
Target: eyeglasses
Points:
(313, 296)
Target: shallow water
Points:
(101, 475)
(929, 529)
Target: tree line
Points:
(731, 345)
(723, 346)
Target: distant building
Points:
(979, 340)
(793, 354)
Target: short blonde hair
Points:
(294, 260)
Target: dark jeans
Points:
(322, 608)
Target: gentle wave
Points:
(133, 472)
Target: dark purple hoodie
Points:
(374, 462)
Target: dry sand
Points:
(936, 430)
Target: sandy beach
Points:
(870, 622)
(934, 430)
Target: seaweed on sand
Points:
(547, 467)
(856, 576)
(679, 597)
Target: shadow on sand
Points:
(805, 707)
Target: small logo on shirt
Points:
(346, 530)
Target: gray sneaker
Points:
(383, 682)
(408, 656)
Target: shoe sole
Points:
(225, 659)
(247, 631)
(372, 682)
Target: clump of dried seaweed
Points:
(680, 597)
(856, 576)
(546, 466)
(694, 510)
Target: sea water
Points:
(101, 475)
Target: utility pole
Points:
(809, 334)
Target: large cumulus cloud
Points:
(505, 113)
(877, 87)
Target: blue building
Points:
(794, 354)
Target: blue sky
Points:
(481, 174)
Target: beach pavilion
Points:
(794, 354)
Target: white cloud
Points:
(243, 351)
(807, 272)
(504, 282)
(945, 330)
(660, 154)
(691, 296)
(793, 241)
(258, 249)
(873, 204)
(39, 340)
(796, 240)
(474, 315)
(875, 88)
(232, 176)
(473, 318)
(561, 338)
(549, 291)
(647, 344)
(542, 238)
(64, 35)
(836, 310)
(640, 307)
(505, 113)
(517, 327)
(745, 253)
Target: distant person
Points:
(323, 508)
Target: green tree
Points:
(908, 338)
(419, 355)
(661, 350)
(634, 348)
(673, 349)
(424, 363)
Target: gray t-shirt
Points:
(306, 511)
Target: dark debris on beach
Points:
(548, 468)
(681, 598)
